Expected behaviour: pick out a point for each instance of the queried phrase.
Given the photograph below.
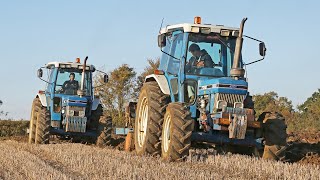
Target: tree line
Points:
(306, 116)
(124, 86)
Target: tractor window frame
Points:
(193, 84)
(87, 85)
(225, 58)
(174, 47)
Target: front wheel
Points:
(176, 132)
(149, 118)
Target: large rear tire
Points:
(149, 118)
(43, 126)
(176, 133)
(33, 120)
(104, 131)
(274, 134)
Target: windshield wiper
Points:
(170, 55)
(224, 43)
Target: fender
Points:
(42, 98)
(161, 80)
(95, 103)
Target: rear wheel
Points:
(33, 120)
(176, 133)
(274, 134)
(104, 131)
(149, 118)
(42, 133)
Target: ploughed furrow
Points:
(78, 161)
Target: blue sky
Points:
(115, 32)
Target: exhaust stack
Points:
(81, 91)
(236, 71)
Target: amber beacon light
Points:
(197, 20)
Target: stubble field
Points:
(19, 160)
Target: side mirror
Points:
(262, 49)
(105, 78)
(40, 73)
(161, 40)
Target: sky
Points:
(112, 33)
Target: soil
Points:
(304, 148)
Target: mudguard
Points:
(43, 99)
(161, 80)
(95, 104)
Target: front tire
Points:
(149, 118)
(176, 133)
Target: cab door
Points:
(176, 51)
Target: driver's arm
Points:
(64, 86)
(77, 85)
(208, 61)
(190, 63)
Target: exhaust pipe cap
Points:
(237, 72)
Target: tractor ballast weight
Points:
(67, 107)
(190, 99)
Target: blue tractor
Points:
(199, 94)
(67, 107)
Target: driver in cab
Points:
(71, 86)
(199, 59)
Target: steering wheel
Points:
(59, 90)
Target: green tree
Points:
(117, 91)
(270, 101)
(309, 114)
(312, 104)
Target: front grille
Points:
(229, 98)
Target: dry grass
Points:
(78, 161)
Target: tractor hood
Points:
(222, 85)
(74, 101)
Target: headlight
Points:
(221, 105)
(82, 113)
(71, 113)
(75, 111)
(238, 105)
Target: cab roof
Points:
(69, 65)
(200, 28)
